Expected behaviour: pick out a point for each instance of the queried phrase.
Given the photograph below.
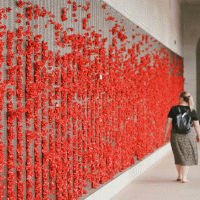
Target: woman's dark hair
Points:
(187, 97)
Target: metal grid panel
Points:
(98, 20)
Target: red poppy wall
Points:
(84, 94)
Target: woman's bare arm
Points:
(168, 125)
(197, 129)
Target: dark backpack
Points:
(183, 122)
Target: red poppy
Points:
(8, 9)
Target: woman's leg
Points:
(185, 170)
(179, 169)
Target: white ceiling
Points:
(190, 2)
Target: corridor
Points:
(159, 183)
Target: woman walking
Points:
(184, 145)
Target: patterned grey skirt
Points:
(184, 147)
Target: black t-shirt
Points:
(174, 112)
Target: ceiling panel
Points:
(190, 2)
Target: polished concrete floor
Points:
(159, 183)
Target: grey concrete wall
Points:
(160, 18)
(191, 36)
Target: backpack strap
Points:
(179, 110)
